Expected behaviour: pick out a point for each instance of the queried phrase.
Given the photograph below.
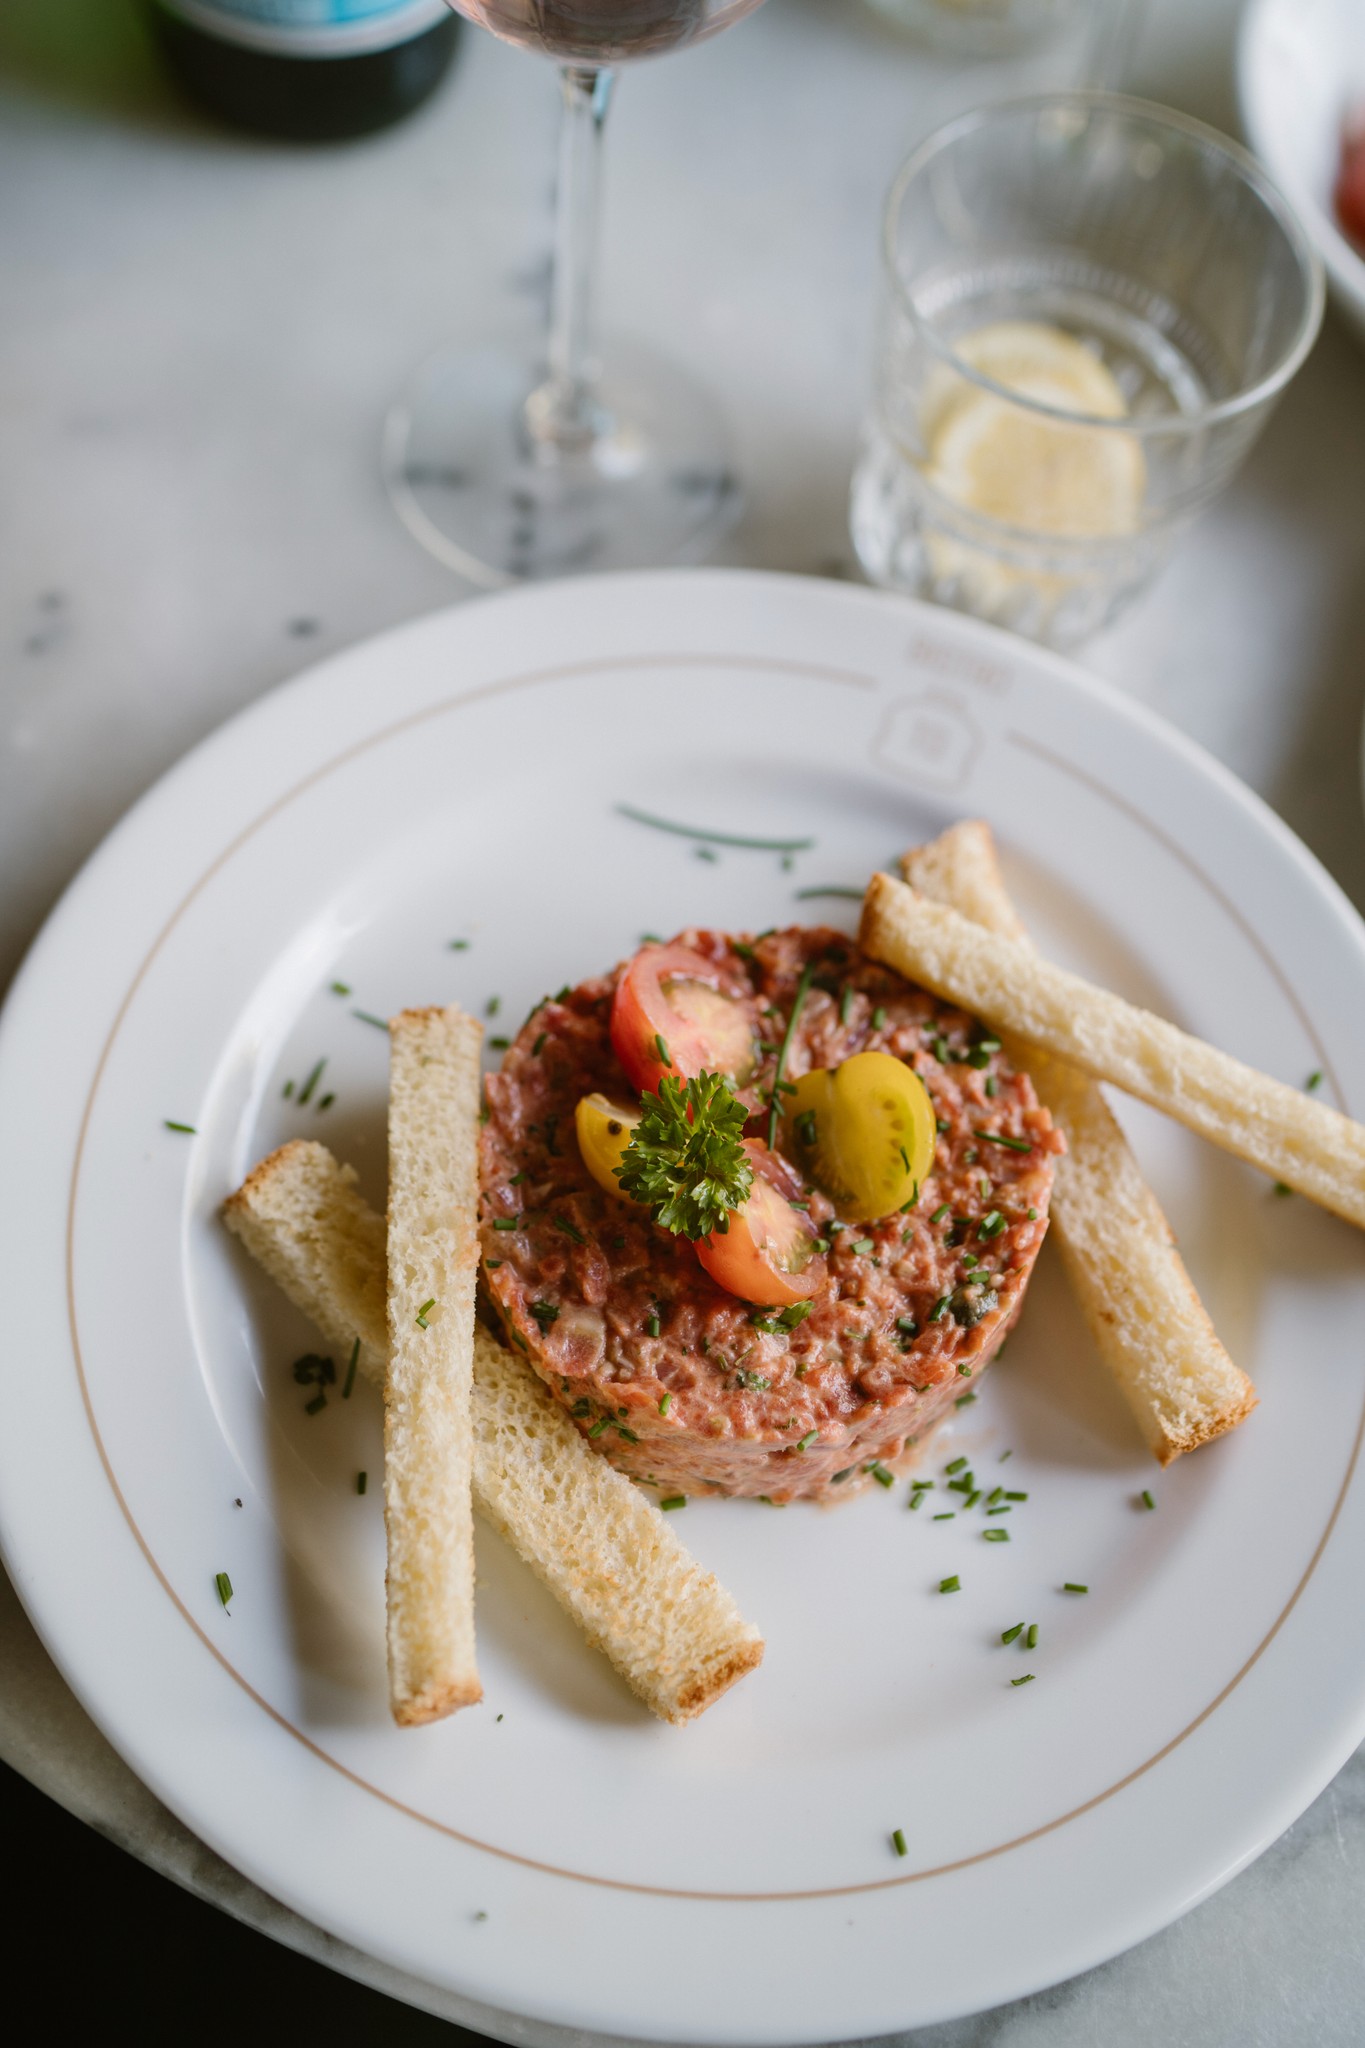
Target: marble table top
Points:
(199, 336)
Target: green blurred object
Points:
(302, 78)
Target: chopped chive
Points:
(362, 1480)
(188, 1129)
(1031, 1639)
(224, 1585)
(715, 838)
(424, 1311)
(1027, 1679)
(1071, 1587)
(922, 1485)
(1281, 1187)
(992, 1225)
(651, 1326)
(963, 1399)
(350, 1370)
(316, 1405)
(937, 1311)
(665, 1403)
(662, 1049)
(1033, 1215)
(341, 988)
(995, 1535)
(1147, 1500)
(996, 1493)
(1016, 1496)
(536, 1048)
(675, 1500)
(545, 1313)
(563, 1223)
(939, 1213)
(880, 1473)
(287, 1090)
(965, 1370)
(705, 853)
(972, 1498)
(1314, 1081)
(1003, 1455)
(498, 1044)
(915, 1499)
(861, 1246)
(492, 1006)
(898, 1842)
(368, 1017)
(1010, 1633)
(506, 1222)
(879, 1018)
(311, 1083)
(808, 1439)
(958, 1465)
(996, 1511)
(992, 1086)
(598, 1427)
(952, 1585)
(459, 945)
(1011, 1144)
(846, 1003)
(326, 1101)
(831, 889)
(949, 1517)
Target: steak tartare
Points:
(681, 1384)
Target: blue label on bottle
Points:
(311, 28)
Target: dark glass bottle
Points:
(273, 66)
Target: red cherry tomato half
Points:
(768, 1254)
(668, 1017)
(1350, 188)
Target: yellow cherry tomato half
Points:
(767, 1253)
(865, 1132)
(604, 1131)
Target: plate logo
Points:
(930, 739)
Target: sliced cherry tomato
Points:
(670, 1018)
(865, 1131)
(604, 1131)
(768, 1253)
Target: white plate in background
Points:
(555, 1858)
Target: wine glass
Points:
(511, 464)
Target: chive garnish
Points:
(424, 1311)
(952, 1585)
(492, 1006)
(972, 1498)
(880, 1473)
(1010, 1633)
(350, 1370)
(861, 1246)
(563, 1223)
(879, 1019)
(1070, 1587)
(665, 1403)
(305, 1093)
(224, 1585)
(545, 1313)
(949, 1517)
(808, 1439)
(661, 1048)
(598, 1427)
(1016, 1496)
(459, 945)
(992, 1086)
(958, 1465)
(846, 1004)
(714, 838)
(498, 1044)
(992, 1225)
(797, 1001)
(1031, 1639)
(368, 1017)
(939, 1213)
(1314, 1081)
(995, 1535)
(675, 1500)
(1033, 1215)
(536, 1048)
(651, 1326)
(1147, 1500)
(341, 988)
(963, 1400)
(898, 1842)
(362, 1480)
(998, 1138)
(287, 1090)
(937, 1311)
(915, 1499)
(506, 1222)
(831, 889)
(996, 1511)
(326, 1101)
(1027, 1679)
(188, 1129)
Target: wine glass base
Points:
(656, 484)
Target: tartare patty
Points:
(679, 1383)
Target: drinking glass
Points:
(1089, 308)
(509, 463)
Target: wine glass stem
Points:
(561, 414)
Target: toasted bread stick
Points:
(433, 1263)
(600, 1546)
(1147, 1320)
(1300, 1142)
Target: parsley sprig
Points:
(685, 1160)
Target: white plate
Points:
(733, 1881)
(1300, 72)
